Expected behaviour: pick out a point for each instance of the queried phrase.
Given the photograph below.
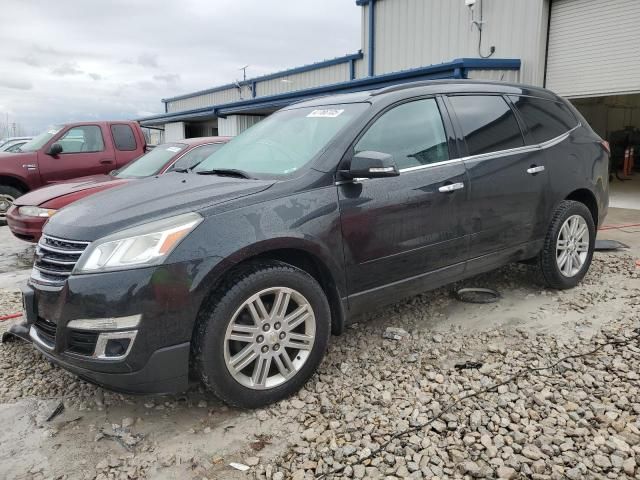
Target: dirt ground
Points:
(367, 388)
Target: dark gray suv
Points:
(236, 272)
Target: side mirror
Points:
(371, 164)
(54, 149)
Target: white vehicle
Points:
(13, 146)
(9, 142)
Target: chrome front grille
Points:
(55, 259)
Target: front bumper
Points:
(158, 361)
(25, 228)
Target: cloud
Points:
(168, 78)
(30, 60)
(16, 84)
(65, 63)
(148, 60)
(66, 68)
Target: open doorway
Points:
(616, 118)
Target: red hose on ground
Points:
(9, 317)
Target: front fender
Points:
(307, 221)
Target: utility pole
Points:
(244, 72)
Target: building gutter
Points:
(372, 37)
(251, 82)
(432, 72)
(546, 47)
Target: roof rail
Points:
(422, 83)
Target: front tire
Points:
(568, 247)
(7, 196)
(263, 335)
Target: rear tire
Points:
(7, 196)
(263, 335)
(568, 247)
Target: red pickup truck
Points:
(68, 151)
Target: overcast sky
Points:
(71, 60)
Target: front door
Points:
(397, 230)
(507, 179)
(84, 152)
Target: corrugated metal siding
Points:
(236, 124)
(414, 33)
(173, 131)
(215, 98)
(594, 47)
(512, 76)
(298, 81)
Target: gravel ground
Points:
(580, 419)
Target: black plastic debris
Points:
(608, 245)
(477, 295)
(468, 365)
(17, 330)
(56, 411)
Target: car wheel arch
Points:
(14, 182)
(298, 253)
(588, 199)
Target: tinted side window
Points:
(545, 119)
(84, 139)
(195, 156)
(123, 137)
(487, 122)
(412, 133)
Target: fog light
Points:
(114, 345)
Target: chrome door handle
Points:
(451, 187)
(533, 170)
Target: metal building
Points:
(586, 50)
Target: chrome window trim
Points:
(483, 156)
(499, 153)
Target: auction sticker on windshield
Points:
(325, 113)
(174, 149)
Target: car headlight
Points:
(140, 246)
(29, 211)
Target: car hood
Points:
(67, 187)
(146, 200)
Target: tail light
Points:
(606, 146)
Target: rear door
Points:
(126, 145)
(507, 179)
(84, 152)
(397, 230)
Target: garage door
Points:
(594, 47)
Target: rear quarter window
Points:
(545, 119)
(487, 122)
(123, 137)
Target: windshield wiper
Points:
(231, 172)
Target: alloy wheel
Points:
(572, 245)
(5, 204)
(269, 338)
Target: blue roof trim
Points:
(284, 73)
(362, 3)
(432, 72)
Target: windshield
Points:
(152, 162)
(37, 142)
(284, 142)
